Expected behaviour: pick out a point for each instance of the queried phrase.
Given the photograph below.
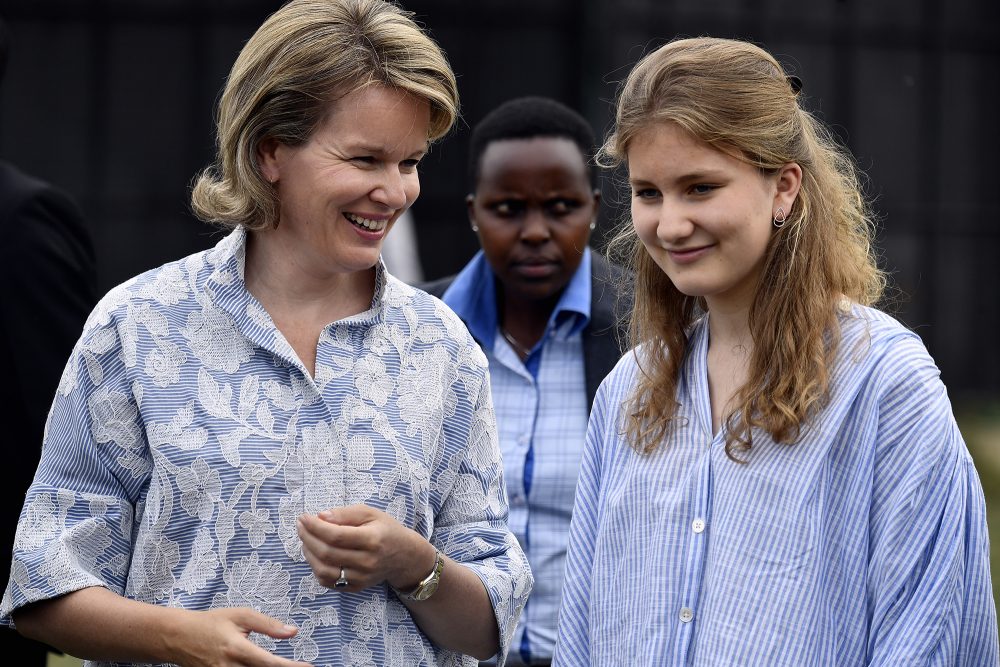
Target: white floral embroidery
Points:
(201, 488)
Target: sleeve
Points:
(929, 592)
(75, 529)
(470, 526)
(573, 636)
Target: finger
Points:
(336, 535)
(254, 621)
(350, 515)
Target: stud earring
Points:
(779, 218)
(593, 225)
(475, 228)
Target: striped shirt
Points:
(863, 543)
(541, 408)
(186, 437)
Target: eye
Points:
(409, 166)
(562, 206)
(364, 159)
(507, 208)
(702, 188)
(645, 193)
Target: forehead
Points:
(667, 146)
(512, 158)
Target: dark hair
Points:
(527, 118)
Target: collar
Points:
(472, 295)
(227, 285)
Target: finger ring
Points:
(342, 581)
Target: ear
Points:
(787, 186)
(470, 209)
(267, 159)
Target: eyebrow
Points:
(381, 150)
(703, 175)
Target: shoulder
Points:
(170, 287)
(437, 287)
(873, 342)
(430, 320)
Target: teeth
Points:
(373, 225)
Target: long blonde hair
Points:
(736, 97)
(303, 57)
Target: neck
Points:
(525, 319)
(729, 328)
(279, 278)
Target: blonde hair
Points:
(736, 97)
(303, 57)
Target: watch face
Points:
(425, 592)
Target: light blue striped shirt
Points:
(541, 408)
(186, 437)
(863, 543)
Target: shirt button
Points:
(698, 525)
(686, 615)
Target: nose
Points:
(391, 189)
(535, 229)
(673, 225)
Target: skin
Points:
(316, 267)
(533, 207)
(705, 218)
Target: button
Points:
(698, 525)
(686, 615)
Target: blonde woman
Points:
(773, 475)
(273, 452)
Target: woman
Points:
(275, 436)
(540, 304)
(773, 475)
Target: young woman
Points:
(773, 475)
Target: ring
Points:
(342, 581)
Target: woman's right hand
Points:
(219, 638)
(96, 624)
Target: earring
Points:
(593, 225)
(779, 218)
(475, 228)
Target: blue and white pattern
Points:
(863, 543)
(186, 437)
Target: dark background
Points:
(113, 100)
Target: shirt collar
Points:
(472, 295)
(228, 286)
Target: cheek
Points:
(412, 188)
(644, 225)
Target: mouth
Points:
(688, 255)
(535, 268)
(368, 224)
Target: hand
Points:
(218, 638)
(370, 545)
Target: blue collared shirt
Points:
(186, 437)
(864, 543)
(542, 409)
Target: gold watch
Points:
(428, 585)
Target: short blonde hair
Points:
(303, 57)
(736, 97)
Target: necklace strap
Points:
(521, 350)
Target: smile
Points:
(365, 223)
(688, 255)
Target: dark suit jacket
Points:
(603, 339)
(47, 289)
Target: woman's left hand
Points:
(368, 544)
